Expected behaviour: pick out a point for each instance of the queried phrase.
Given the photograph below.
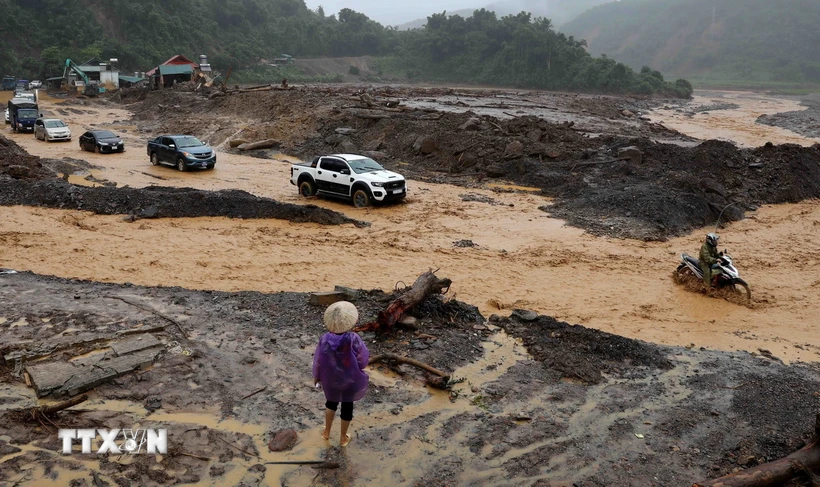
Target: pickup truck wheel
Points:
(181, 164)
(361, 198)
(307, 188)
(154, 159)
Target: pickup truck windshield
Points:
(188, 142)
(26, 113)
(52, 124)
(360, 166)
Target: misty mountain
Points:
(558, 11)
(719, 40)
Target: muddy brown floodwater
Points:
(706, 117)
(522, 259)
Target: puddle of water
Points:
(78, 179)
(20, 322)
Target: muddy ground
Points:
(660, 191)
(541, 402)
(554, 405)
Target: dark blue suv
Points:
(183, 151)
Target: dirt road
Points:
(523, 258)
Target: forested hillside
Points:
(512, 50)
(558, 11)
(732, 40)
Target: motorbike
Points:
(725, 275)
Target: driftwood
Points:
(425, 285)
(41, 414)
(409, 361)
(803, 462)
(261, 144)
(154, 312)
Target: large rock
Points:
(236, 143)
(18, 172)
(283, 440)
(424, 145)
(473, 123)
(262, 144)
(348, 147)
(631, 153)
(514, 150)
(535, 135)
(373, 145)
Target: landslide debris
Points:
(629, 182)
(30, 180)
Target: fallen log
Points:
(261, 144)
(409, 361)
(803, 462)
(425, 285)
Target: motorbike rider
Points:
(709, 257)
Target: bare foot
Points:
(346, 440)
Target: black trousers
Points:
(347, 409)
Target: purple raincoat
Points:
(339, 364)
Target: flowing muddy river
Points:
(732, 116)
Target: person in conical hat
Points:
(338, 364)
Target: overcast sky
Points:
(392, 12)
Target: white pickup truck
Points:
(350, 176)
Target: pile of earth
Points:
(673, 189)
(160, 202)
(17, 163)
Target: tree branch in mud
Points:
(444, 376)
(41, 413)
(801, 463)
(425, 285)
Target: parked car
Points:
(347, 175)
(51, 129)
(101, 141)
(8, 120)
(183, 151)
(35, 84)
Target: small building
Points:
(177, 69)
(55, 83)
(178, 60)
(282, 60)
(133, 81)
(104, 74)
